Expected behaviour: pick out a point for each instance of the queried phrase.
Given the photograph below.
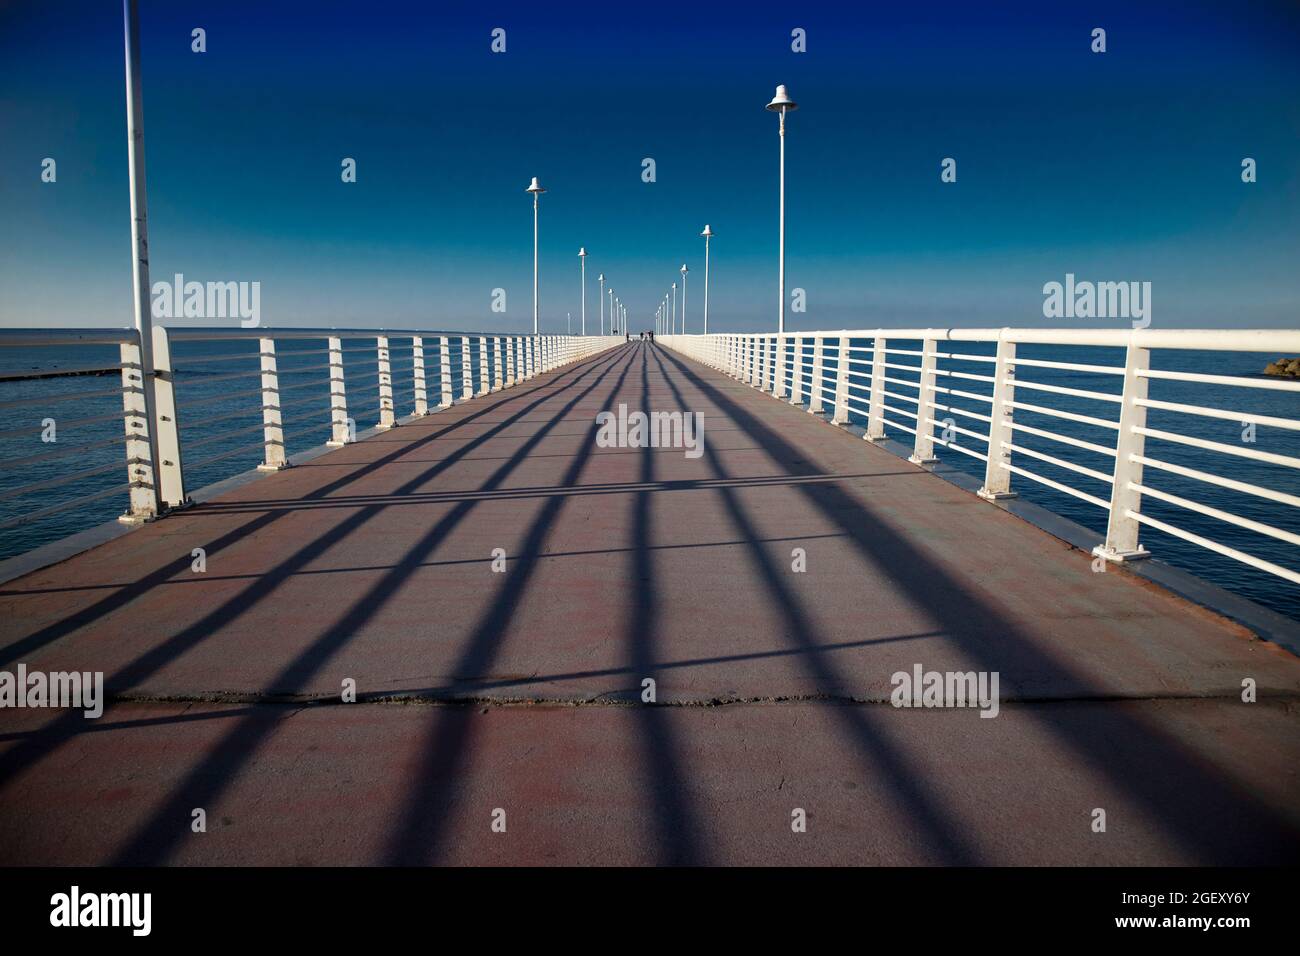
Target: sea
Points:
(220, 421)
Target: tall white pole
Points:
(602, 303)
(535, 197)
(582, 256)
(140, 233)
(683, 300)
(780, 327)
(706, 284)
(674, 308)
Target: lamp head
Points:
(684, 269)
(535, 187)
(782, 102)
(582, 253)
(707, 231)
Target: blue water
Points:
(202, 400)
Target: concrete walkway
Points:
(521, 690)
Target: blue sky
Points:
(1116, 166)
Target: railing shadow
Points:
(936, 831)
(418, 836)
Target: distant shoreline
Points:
(69, 373)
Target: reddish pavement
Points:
(522, 690)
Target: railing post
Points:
(170, 468)
(417, 374)
(498, 379)
(876, 400)
(923, 450)
(512, 360)
(144, 497)
(765, 365)
(794, 378)
(483, 369)
(272, 420)
(778, 376)
(466, 369)
(840, 416)
(1125, 500)
(997, 478)
(445, 399)
(387, 417)
(340, 434)
(815, 395)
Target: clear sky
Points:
(1117, 166)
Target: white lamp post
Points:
(781, 103)
(611, 310)
(601, 278)
(674, 308)
(684, 271)
(536, 189)
(582, 257)
(707, 234)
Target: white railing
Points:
(904, 379)
(484, 363)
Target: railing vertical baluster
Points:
(272, 419)
(387, 417)
(417, 374)
(171, 470)
(778, 369)
(840, 416)
(498, 379)
(512, 360)
(923, 449)
(466, 369)
(1122, 528)
(819, 356)
(444, 372)
(340, 433)
(876, 402)
(997, 478)
(484, 367)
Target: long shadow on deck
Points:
(940, 835)
(419, 835)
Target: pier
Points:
(478, 636)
